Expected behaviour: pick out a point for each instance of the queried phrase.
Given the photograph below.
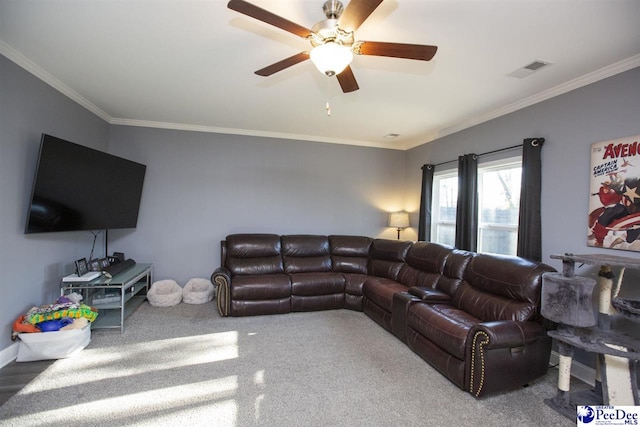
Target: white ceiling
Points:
(189, 64)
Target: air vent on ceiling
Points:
(529, 69)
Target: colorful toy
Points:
(54, 325)
(74, 312)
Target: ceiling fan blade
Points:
(281, 65)
(347, 80)
(356, 12)
(268, 17)
(396, 50)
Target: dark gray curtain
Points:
(529, 221)
(467, 209)
(426, 198)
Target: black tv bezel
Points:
(103, 196)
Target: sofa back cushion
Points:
(350, 254)
(453, 271)
(386, 257)
(247, 254)
(500, 287)
(424, 264)
(306, 254)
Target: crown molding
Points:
(248, 132)
(37, 71)
(24, 62)
(587, 79)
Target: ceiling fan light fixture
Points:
(331, 58)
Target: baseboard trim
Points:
(578, 370)
(9, 354)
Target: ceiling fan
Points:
(333, 40)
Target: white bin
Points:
(52, 345)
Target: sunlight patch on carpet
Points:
(214, 396)
(145, 358)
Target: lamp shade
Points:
(399, 219)
(331, 58)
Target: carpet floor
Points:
(187, 365)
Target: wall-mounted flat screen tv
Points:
(79, 188)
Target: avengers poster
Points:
(614, 203)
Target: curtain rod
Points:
(483, 154)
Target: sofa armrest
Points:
(505, 354)
(508, 333)
(221, 277)
(221, 272)
(429, 295)
(402, 301)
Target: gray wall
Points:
(31, 265)
(199, 187)
(570, 123)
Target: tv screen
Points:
(79, 188)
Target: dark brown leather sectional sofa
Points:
(474, 317)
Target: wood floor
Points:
(16, 375)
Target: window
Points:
(498, 206)
(443, 213)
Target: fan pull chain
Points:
(328, 105)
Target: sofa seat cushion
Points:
(442, 324)
(380, 291)
(309, 284)
(261, 287)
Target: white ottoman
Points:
(164, 293)
(198, 291)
